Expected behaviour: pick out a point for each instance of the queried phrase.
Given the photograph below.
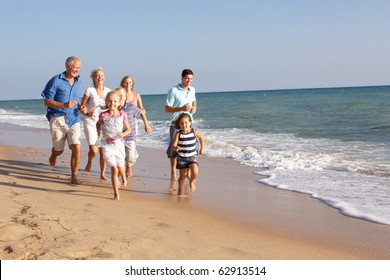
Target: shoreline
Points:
(230, 216)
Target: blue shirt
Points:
(178, 97)
(59, 89)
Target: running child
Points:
(113, 126)
(133, 112)
(185, 144)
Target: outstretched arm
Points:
(146, 123)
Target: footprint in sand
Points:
(163, 225)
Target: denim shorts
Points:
(185, 162)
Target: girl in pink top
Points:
(112, 127)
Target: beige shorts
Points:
(61, 132)
(131, 152)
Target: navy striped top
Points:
(187, 144)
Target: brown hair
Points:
(182, 115)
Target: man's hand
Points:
(186, 108)
(70, 104)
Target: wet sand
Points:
(230, 216)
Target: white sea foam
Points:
(23, 119)
(352, 177)
(339, 157)
(347, 176)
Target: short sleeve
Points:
(124, 115)
(49, 90)
(101, 117)
(170, 98)
(87, 92)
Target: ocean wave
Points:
(23, 119)
(381, 127)
(349, 173)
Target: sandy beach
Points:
(230, 216)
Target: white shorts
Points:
(131, 152)
(90, 131)
(61, 132)
(114, 154)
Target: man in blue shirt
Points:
(62, 95)
(180, 98)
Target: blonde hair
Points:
(114, 92)
(122, 92)
(94, 71)
(127, 77)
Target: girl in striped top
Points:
(185, 144)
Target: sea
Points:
(330, 143)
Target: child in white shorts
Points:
(115, 127)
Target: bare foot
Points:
(124, 182)
(75, 181)
(102, 177)
(173, 176)
(172, 185)
(116, 196)
(192, 186)
(129, 173)
(88, 167)
(52, 160)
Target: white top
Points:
(95, 103)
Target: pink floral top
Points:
(111, 125)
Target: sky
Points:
(230, 45)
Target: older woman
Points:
(93, 102)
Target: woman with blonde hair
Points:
(94, 100)
(127, 83)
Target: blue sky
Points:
(230, 45)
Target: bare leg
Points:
(194, 173)
(75, 162)
(172, 185)
(182, 177)
(122, 173)
(53, 156)
(102, 165)
(129, 172)
(173, 168)
(91, 154)
(115, 181)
